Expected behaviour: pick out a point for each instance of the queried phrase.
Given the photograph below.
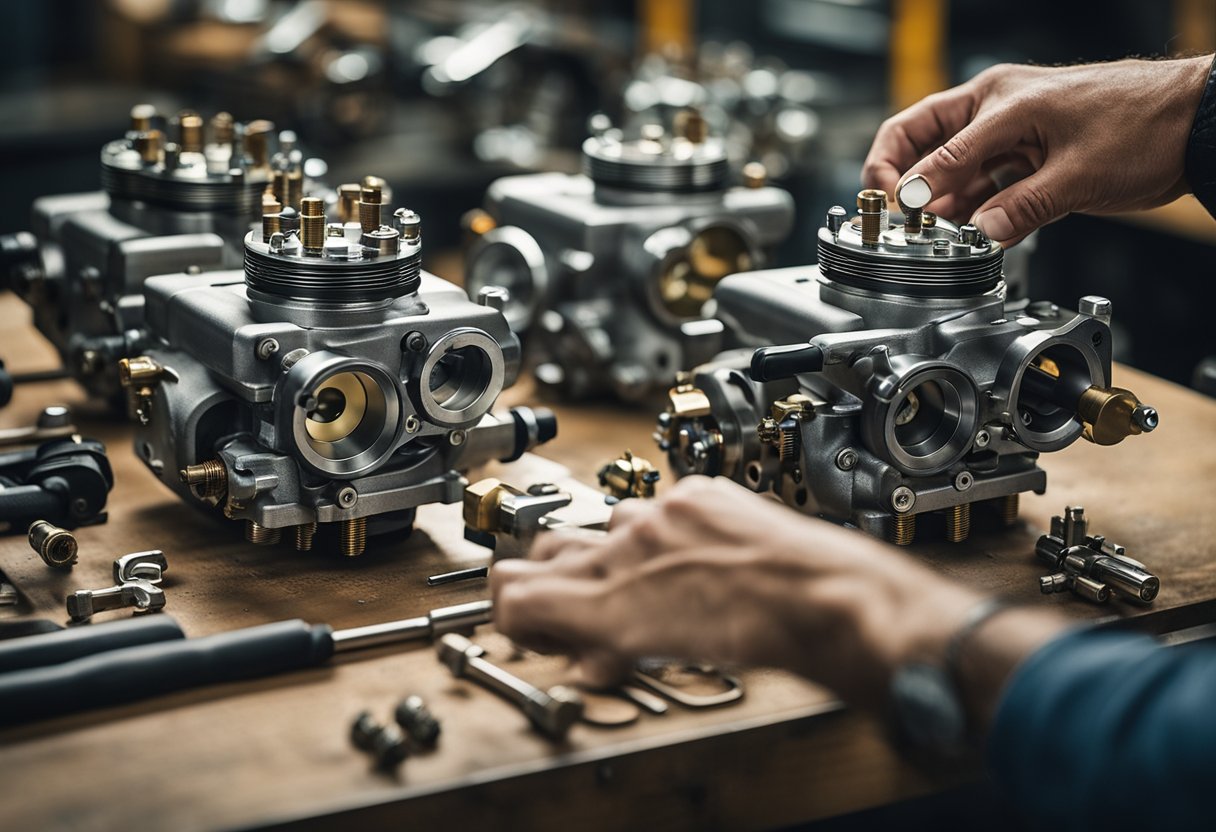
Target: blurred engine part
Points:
(331, 387)
(63, 481)
(1090, 566)
(608, 271)
(178, 195)
(902, 389)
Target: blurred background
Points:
(440, 97)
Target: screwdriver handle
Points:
(134, 673)
(75, 642)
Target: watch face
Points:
(927, 710)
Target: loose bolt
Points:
(57, 547)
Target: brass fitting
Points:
(755, 175)
(190, 126)
(348, 201)
(369, 208)
(482, 501)
(305, 532)
(629, 476)
(222, 125)
(872, 206)
(691, 125)
(477, 222)
(262, 536)
(1009, 509)
(778, 431)
(57, 547)
(352, 536)
(958, 522)
(312, 223)
(1112, 414)
(270, 217)
(206, 479)
(141, 370)
(148, 144)
(257, 138)
(141, 117)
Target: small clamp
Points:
(138, 594)
(148, 566)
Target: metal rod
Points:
(434, 623)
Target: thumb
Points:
(1012, 214)
(960, 161)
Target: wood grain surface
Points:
(276, 750)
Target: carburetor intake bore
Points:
(853, 403)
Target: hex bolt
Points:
(551, 712)
(57, 547)
(846, 460)
(385, 743)
(266, 348)
(414, 342)
(903, 499)
(416, 719)
(494, 297)
(836, 219)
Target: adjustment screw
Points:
(837, 217)
(457, 437)
(846, 460)
(412, 425)
(267, 347)
(982, 438)
(494, 297)
(1095, 307)
(414, 342)
(964, 481)
(57, 547)
(903, 499)
(347, 497)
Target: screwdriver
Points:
(143, 670)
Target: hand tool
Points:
(1089, 565)
(57, 547)
(62, 645)
(142, 595)
(386, 743)
(54, 422)
(416, 719)
(149, 566)
(64, 481)
(132, 673)
(552, 712)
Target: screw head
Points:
(412, 424)
(80, 506)
(414, 341)
(267, 347)
(457, 437)
(1146, 418)
(903, 499)
(348, 496)
(846, 460)
(964, 481)
(982, 438)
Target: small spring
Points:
(902, 529)
(958, 523)
(352, 537)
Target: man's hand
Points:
(1018, 147)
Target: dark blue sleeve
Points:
(1201, 147)
(1110, 731)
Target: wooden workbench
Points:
(274, 751)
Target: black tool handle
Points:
(22, 504)
(75, 642)
(776, 363)
(134, 673)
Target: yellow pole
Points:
(918, 50)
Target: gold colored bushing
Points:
(270, 216)
(312, 223)
(262, 536)
(57, 547)
(207, 479)
(191, 127)
(148, 144)
(305, 532)
(348, 200)
(141, 117)
(755, 175)
(958, 523)
(352, 536)
(902, 529)
(369, 208)
(138, 370)
(295, 188)
(222, 125)
(872, 206)
(257, 138)
(691, 125)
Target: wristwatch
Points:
(926, 708)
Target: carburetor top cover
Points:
(331, 385)
(609, 271)
(891, 382)
(178, 195)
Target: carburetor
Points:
(177, 195)
(608, 271)
(331, 387)
(891, 383)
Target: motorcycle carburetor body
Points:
(891, 382)
(329, 388)
(177, 196)
(608, 271)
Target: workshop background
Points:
(802, 84)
